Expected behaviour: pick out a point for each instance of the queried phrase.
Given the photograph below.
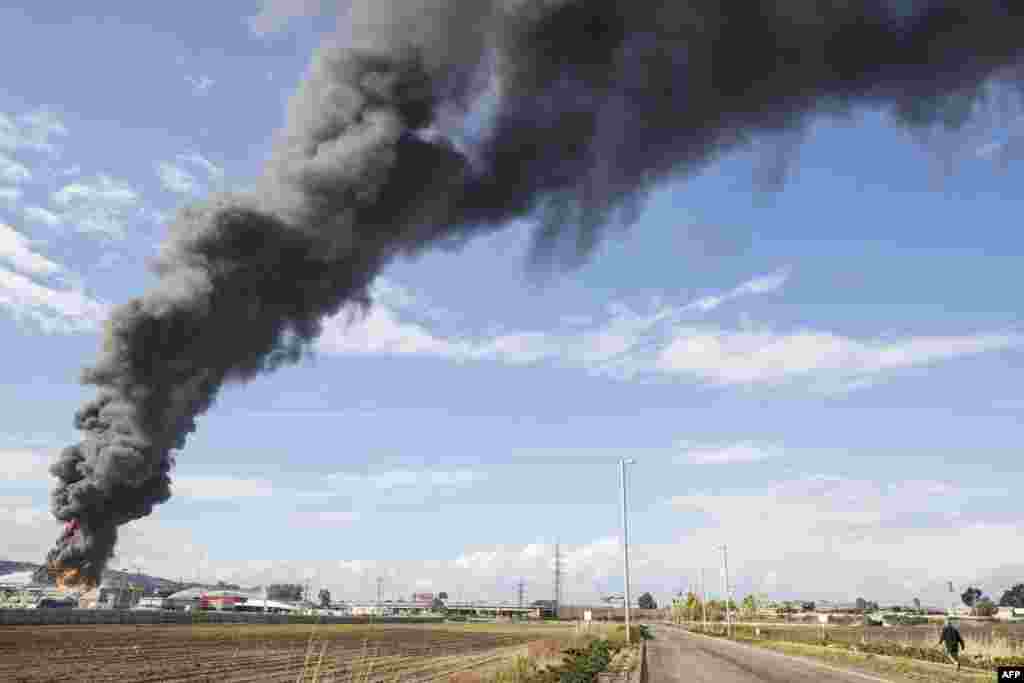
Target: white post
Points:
(625, 536)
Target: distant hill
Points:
(10, 566)
(150, 584)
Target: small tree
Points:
(862, 605)
(442, 595)
(437, 605)
(646, 601)
(749, 605)
(985, 607)
(325, 598)
(694, 606)
(917, 604)
(1013, 597)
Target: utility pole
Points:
(725, 578)
(521, 586)
(625, 536)
(380, 587)
(558, 577)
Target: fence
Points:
(47, 617)
(612, 613)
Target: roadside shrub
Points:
(583, 664)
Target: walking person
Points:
(953, 641)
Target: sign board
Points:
(822, 618)
(587, 615)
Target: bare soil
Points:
(239, 653)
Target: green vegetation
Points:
(581, 661)
(646, 601)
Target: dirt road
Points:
(675, 656)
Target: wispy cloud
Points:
(17, 251)
(10, 196)
(274, 15)
(667, 343)
(38, 214)
(325, 518)
(820, 360)
(13, 171)
(25, 465)
(403, 487)
(725, 454)
(200, 84)
(100, 206)
(175, 177)
(222, 488)
(34, 130)
(65, 311)
(760, 285)
(395, 479)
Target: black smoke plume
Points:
(594, 102)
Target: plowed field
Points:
(236, 653)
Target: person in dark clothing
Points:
(953, 641)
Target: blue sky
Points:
(826, 378)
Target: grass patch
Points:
(578, 658)
(1002, 654)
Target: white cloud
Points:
(725, 454)
(37, 214)
(13, 171)
(402, 487)
(274, 15)
(200, 84)
(34, 130)
(65, 311)
(394, 479)
(832, 536)
(222, 488)
(176, 179)
(665, 343)
(10, 196)
(213, 171)
(99, 207)
(326, 518)
(820, 360)
(760, 285)
(17, 251)
(25, 465)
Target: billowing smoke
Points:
(591, 104)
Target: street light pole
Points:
(725, 576)
(625, 535)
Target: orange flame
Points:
(70, 577)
